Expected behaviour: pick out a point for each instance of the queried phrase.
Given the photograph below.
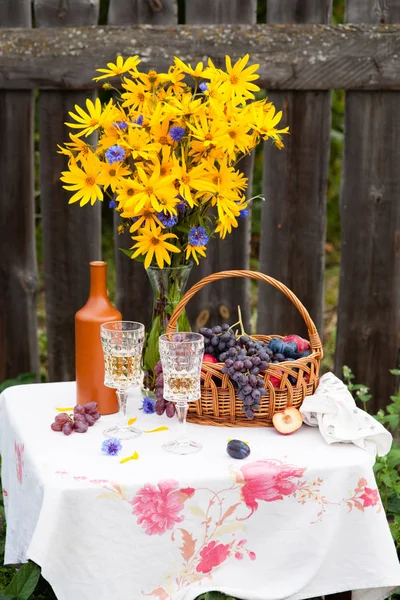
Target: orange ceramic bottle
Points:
(89, 359)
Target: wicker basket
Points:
(219, 404)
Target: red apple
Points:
(302, 344)
(288, 420)
(209, 358)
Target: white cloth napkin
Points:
(332, 408)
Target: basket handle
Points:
(314, 338)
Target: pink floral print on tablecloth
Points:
(370, 497)
(212, 556)
(267, 480)
(158, 507)
(215, 518)
(19, 461)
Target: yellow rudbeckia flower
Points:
(84, 181)
(91, 120)
(192, 251)
(119, 67)
(187, 68)
(238, 80)
(111, 174)
(151, 242)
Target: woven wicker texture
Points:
(219, 404)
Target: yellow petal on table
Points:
(131, 421)
(133, 456)
(230, 439)
(65, 409)
(155, 430)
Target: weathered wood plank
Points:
(154, 12)
(369, 297)
(293, 219)
(18, 271)
(71, 235)
(299, 11)
(219, 302)
(220, 11)
(15, 14)
(73, 13)
(295, 57)
(372, 11)
(133, 289)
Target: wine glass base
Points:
(122, 432)
(182, 447)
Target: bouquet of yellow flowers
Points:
(166, 153)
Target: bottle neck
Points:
(98, 278)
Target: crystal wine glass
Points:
(122, 343)
(181, 357)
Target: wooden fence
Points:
(302, 57)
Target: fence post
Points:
(18, 269)
(219, 302)
(71, 235)
(133, 290)
(369, 296)
(293, 221)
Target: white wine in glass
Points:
(181, 357)
(122, 343)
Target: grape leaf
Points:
(24, 582)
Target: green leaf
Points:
(387, 479)
(393, 505)
(395, 371)
(183, 322)
(127, 252)
(152, 355)
(24, 582)
(183, 228)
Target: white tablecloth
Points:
(296, 519)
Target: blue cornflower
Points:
(149, 405)
(112, 203)
(183, 204)
(120, 124)
(198, 236)
(111, 447)
(176, 133)
(167, 220)
(203, 86)
(139, 120)
(115, 154)
(244, 213)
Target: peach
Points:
(288, 420)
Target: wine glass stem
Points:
(122, 402)
(181, 411)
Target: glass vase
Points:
(168, 287)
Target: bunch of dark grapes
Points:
(218, 340)
(244, 359)
(162, 405)
(243, 363)
(84, 417)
